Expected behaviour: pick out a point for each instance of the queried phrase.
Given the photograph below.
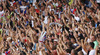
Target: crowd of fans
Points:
(49, 27)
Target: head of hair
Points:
(54, 48)
(80, 52)
(91, 44)
(74, 52)
(22, 53)
(68, 50)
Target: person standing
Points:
(91, 48)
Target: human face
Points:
(98, 39)
(0, 25)
(0, 8)
(72, 40)
(93, 38)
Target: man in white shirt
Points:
(91, 48)
(34, 1)
(46, 17)
(1, 12)
(23, 7)
(46, 20)
(98, 1)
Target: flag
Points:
(7, 52)
(70, 2)
(37, 11)
(14, 3)
(42, 37)
(74, 11)
(2, 15)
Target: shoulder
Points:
(92, 52)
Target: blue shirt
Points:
(31, 1)
(20, 2)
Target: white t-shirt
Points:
(88, 40)
(32, 23)
(23, 7)
(7, 32)
(92, 52)
(76, 29)
(49, 7)
(40, 53)
(75, 44)
(98, 1)
(55, 4)
(12, 3)
(84, 52)
(3, 53)
(46, 20)
(34, 1)
(1, 14)
(77, 18)
(43, 12)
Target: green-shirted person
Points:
(93, 39)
